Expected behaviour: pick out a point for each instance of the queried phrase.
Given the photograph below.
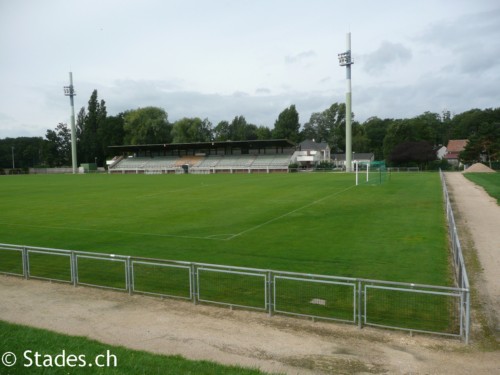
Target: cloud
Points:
(387, 54)
(463, 31)
(465, 38)
(262, 90)
(240, 94)
(300, 57)
(433, 93)
(12, 128)
(261, 108)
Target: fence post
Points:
(25, 260)
(194, 289)
(467, 316)
(270, 298)
(360, 315)
(128, 275)
(73, 268)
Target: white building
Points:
(311, 153)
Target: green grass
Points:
(162, 279)
(309, 223)
(50, 266)
(17, 339)
(312, 223)
(11, 262)
(415, 311)
(489, 181)
(230, 288)
(332, 301)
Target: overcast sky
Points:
(218, 59)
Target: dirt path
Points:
(277, 344)
(481, 214)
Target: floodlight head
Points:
(345, 58)
(69, 91)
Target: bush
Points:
(293, 167)
(439, 164)
(325, 165)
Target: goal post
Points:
(375, 171)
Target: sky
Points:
(218, 59)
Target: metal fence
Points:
(411, 307)
(461, 278)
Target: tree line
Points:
(400, 142)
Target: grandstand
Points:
(259, 156)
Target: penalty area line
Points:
(288, 213)
(118, 232)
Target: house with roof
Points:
(453, 150)
(311, 153)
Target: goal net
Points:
(372, 173)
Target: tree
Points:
(287, 125)
(80, 123)
(360, 141)
(444, 131)
(407, 153)
(28, 152)
(238, 129)
(189, 130)
(375, 130)
(327, 126)
(58, 146)
(427, 128)
(90, 144)
(466, 124)
(263, 132)
(147, 125)
(484, 145)
(111, 133)
(222, 131)
(399, 131)
(251, 132)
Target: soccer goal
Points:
(373, 173)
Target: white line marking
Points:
(114, 231)
(289, 213)
(213, 237)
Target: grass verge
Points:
(116, 360)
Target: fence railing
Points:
(404, 306)
(461, 278)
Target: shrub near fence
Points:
(412, 307)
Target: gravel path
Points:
(481, 215)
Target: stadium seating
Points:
(192, 161)
(144, 164)
(246, 163)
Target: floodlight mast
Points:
(70, 91)
(346, 60)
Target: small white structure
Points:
(441, 152)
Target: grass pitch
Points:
(313, 223)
